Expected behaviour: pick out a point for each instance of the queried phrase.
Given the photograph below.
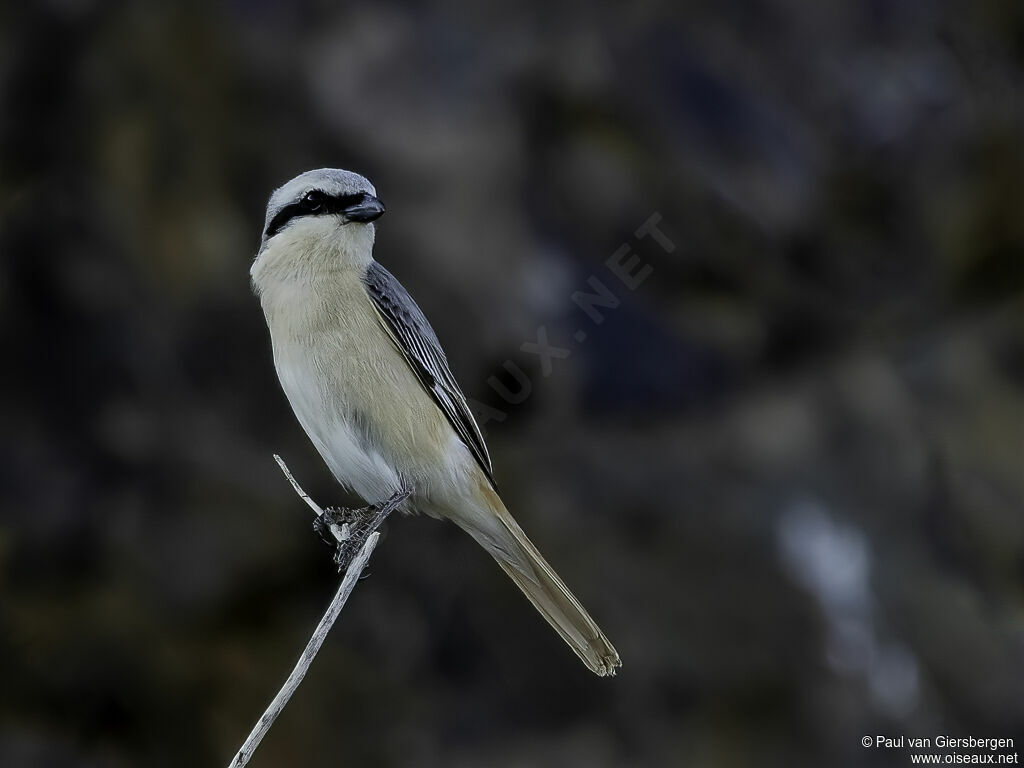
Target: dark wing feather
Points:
(416, 340)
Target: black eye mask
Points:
(314, 203)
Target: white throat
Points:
(307, 254)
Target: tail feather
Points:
(502, 537)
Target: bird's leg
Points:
(355, 524)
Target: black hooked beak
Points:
(369, 208)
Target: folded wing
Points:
(407, 326)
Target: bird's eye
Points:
(313, 201)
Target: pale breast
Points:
(355, 395)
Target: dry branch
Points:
(352, 572)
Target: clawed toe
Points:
(334, 523)
(346, 530)
(322, 528)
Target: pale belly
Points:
(369, 417)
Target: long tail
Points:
(497, 532)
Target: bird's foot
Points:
(346, 529)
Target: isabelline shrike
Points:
(370, 385)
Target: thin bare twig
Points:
(298, 488)
(348, 583)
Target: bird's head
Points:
(316, 203)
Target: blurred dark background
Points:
(786, 473)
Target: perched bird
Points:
(370, 385)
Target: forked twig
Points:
(348, 583)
